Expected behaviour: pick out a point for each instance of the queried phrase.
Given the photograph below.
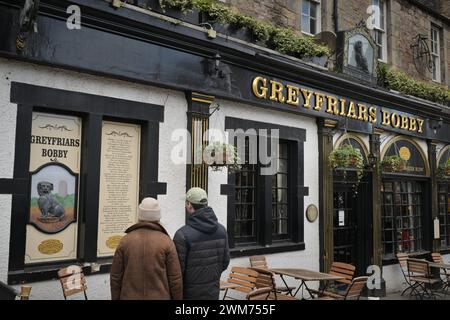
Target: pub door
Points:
(352, 222)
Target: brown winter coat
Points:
(146, 266)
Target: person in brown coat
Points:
(146, 265)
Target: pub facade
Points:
(91, 120)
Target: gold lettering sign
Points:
(276, 91)
(50, 246)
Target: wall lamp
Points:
(436, 124)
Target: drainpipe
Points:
(336, 16)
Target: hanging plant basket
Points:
(393, 164)
(347, 157)
(443, 171)
(220, 155)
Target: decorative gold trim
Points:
(201, 100)
(203, 95)
(405, 153)
(328, 123)
(50, 246)
(346, 136)
(441, 154)
(113, 242)
(378, 131)
(405, 138)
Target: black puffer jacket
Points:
(203, 252)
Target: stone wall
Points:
(404, 21)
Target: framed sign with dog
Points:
(53, 198)
(55, 154)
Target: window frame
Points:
(93, 110)
(436, 74)
(381, 31)
(446, 225)
(265, 242)
(318, 18)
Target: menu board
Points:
(119, 183)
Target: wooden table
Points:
(439, 265)
(304, 275)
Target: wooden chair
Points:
(260, 262)
(346, 271)
(353, 291)
(259, 294)
(72, 281)
(437, 257)
(445, 276)
(419, 275)
(402, 261)
(266, 279)
(241, 280)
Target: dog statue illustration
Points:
(49, 206)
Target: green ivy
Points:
(280, 39)
(399, 81)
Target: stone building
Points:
(402, 21)
(94, 95)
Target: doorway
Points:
(352, 220)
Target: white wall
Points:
(172, 204)
(308, 258)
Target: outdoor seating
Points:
(420, 277)
(266, 279)
(444, 270)
(242, 280)
(72, 281)
(353, 291)
(344, 270)
(402, 260)
(261, 262)
(259, 294)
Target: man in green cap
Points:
(202, 246)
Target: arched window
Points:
(403, 156)
(403, 213)
(444, 197)
(355, 142)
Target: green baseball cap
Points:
(197, 196)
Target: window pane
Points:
(305, 7)
(312, 23)
(407, 231)
(305, 23)
(280, 214)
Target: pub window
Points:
(402, 215)
(403, 188)
(310, 16)
(280, 205)
(436, 53)
(379, 31)
(248, 189)
(444, 199)
(444, 213)
(245, 228)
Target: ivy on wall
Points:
(280, 39)
(399, 81)
(287, 41)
